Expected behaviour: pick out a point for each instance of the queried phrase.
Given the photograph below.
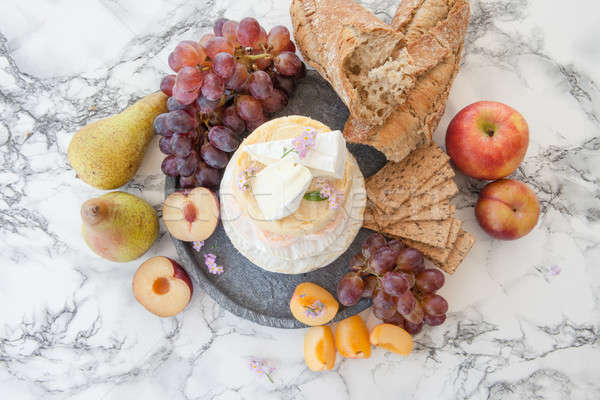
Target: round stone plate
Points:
(249, 291)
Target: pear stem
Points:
(93, 211)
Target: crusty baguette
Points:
(412, 124)
(366, 61)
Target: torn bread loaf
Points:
(434, 32)
(366, 61)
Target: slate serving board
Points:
(249, 291)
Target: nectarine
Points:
(507, 209)
(352, 338)
(312, 305)
(392, 338)
(319, 348)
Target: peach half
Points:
(191, 215)
(312, 305)
(319, 348)
(162, 286)
(392, 338)
(352, 338)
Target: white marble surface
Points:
(70, 327)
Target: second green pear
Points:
(119, 226)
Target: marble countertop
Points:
(525, 315)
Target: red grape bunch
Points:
(395, 277)
(225, 85)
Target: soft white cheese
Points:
(279, 187)
(327, 158)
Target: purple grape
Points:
(166, 85)
(396, 245)
(169, 166)
(372, 243)
(410, 260)
(350, 289)
(238, 80)
(206, 106)
(285, 83)
(411, 328)
(276, 102)
(160, 125)
(288, 63)
(224, 65)
(214, 157)
(218, 26)
(396, 319)
(233, 121)
(394, 284)
(173, 104)
(357, 263)
(434, 320)
(434, 304)
(164, 144)
(384, 305)
(207, 176)
(187, 182)
(248, 108)
(213, 87)
(181, 144)
(180, 121)
(371, 284)
(187, 166)
(416, 315)
(260, 85)
(252, 125)
(429, 280)
(223, 138)
(406, 303)
(383, 260)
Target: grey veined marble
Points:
(524, 317)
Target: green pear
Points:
(119, 226)
(107, 153)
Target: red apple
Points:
(162, 286)
(507, 209)
(487, 140)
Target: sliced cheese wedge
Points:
(327, 158)
(279, 187)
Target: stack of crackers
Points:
(410, 200)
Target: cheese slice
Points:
(326, 158)
(279, 188)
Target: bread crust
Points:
(437, 52)
(328, 32)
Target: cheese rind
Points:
(327, 158)
(280, 186)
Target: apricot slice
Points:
(352, 338)
(312, 305)
(392, 338)
(319, 348)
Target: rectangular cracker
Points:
(437, 254)
(415, 204)
(392, 185)
(436, 211)
(434, 233)
(440, 176)
(463, 245)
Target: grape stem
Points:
(250, 57)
